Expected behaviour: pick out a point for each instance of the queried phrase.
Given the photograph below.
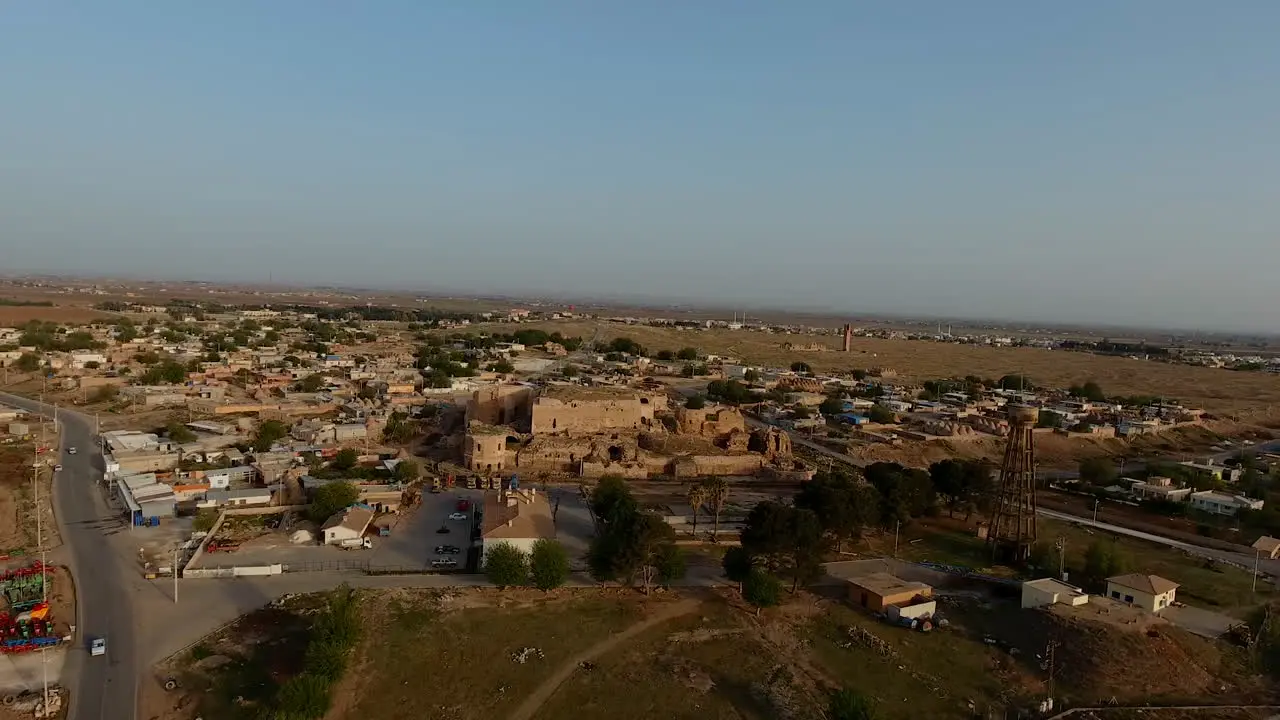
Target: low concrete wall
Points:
(264, 510)
(199, 553)
(256, 570)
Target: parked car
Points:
(444, 563)
(448, 549)
(98, 647)
(71, 451)
(57, 468)
(458, 516)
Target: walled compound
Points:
(594, 431)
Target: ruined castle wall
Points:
(552, 416)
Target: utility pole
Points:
(896, 525)
(1096, 502)
(1256, 554)
(1061, 544)
(175, 573)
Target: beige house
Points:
(1149, 592)
(520, 517)
(1267, 546)
(1048, 591)
(350, 524)
(879, 590)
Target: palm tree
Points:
(697, 500)
(717, 495)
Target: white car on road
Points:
(458, 516)
(98, 646)
(71, 451)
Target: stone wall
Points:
(500, 404)
(555, 416)
(712, 423)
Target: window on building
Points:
(1128, 598)
(1115, 594)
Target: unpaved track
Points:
(543, 692)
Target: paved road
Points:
(1270, 567)
(101, 687)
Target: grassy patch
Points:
(934, 675)
(465, 655)
(702, 667)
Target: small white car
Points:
(57, 468)
(71, 451)
(458, 516)
(444, 563)
(98, 647)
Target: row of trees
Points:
(788, 541)
(630, 545)
(545, 566)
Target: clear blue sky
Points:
(1083, 161)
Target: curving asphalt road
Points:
(101, 687)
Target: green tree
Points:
(27, 362)
(880, 414)
(697, 497)
(625, 345)
(92, 365)
(179, 433)
(346, 459)
(1089, 391)
(736, 564)
(800, 366)
(1102, 560)
(569, 371)
(267, 435)
(1049, 419)
(848, 705)
(406, 471)
(503, 367)
(1016, 382)
(687, 353)
(833, 405)
(1097, 471)
(665, 355)
(331, 498)
(761, 589)
(506, 565)
(843, 505)
(548, 564)
(718, 491)
(801, 413)
(105, 393)
(311, 383)
(695, 402)
(751, 375)
(670, 563)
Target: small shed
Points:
(1048, 591)
(917, 608)
(877, 591)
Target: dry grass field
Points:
(1218, 391)
(12, 316)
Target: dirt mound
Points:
(1098, 662)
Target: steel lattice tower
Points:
(1012, 530)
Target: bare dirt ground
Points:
(1054, 451)
(12, 316)
(1217, 391)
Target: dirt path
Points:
(544, 691)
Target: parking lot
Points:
(413, 540)
(410, 546)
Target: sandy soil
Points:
(1220, 391)
(11, 316)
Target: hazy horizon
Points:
(1093, 164)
